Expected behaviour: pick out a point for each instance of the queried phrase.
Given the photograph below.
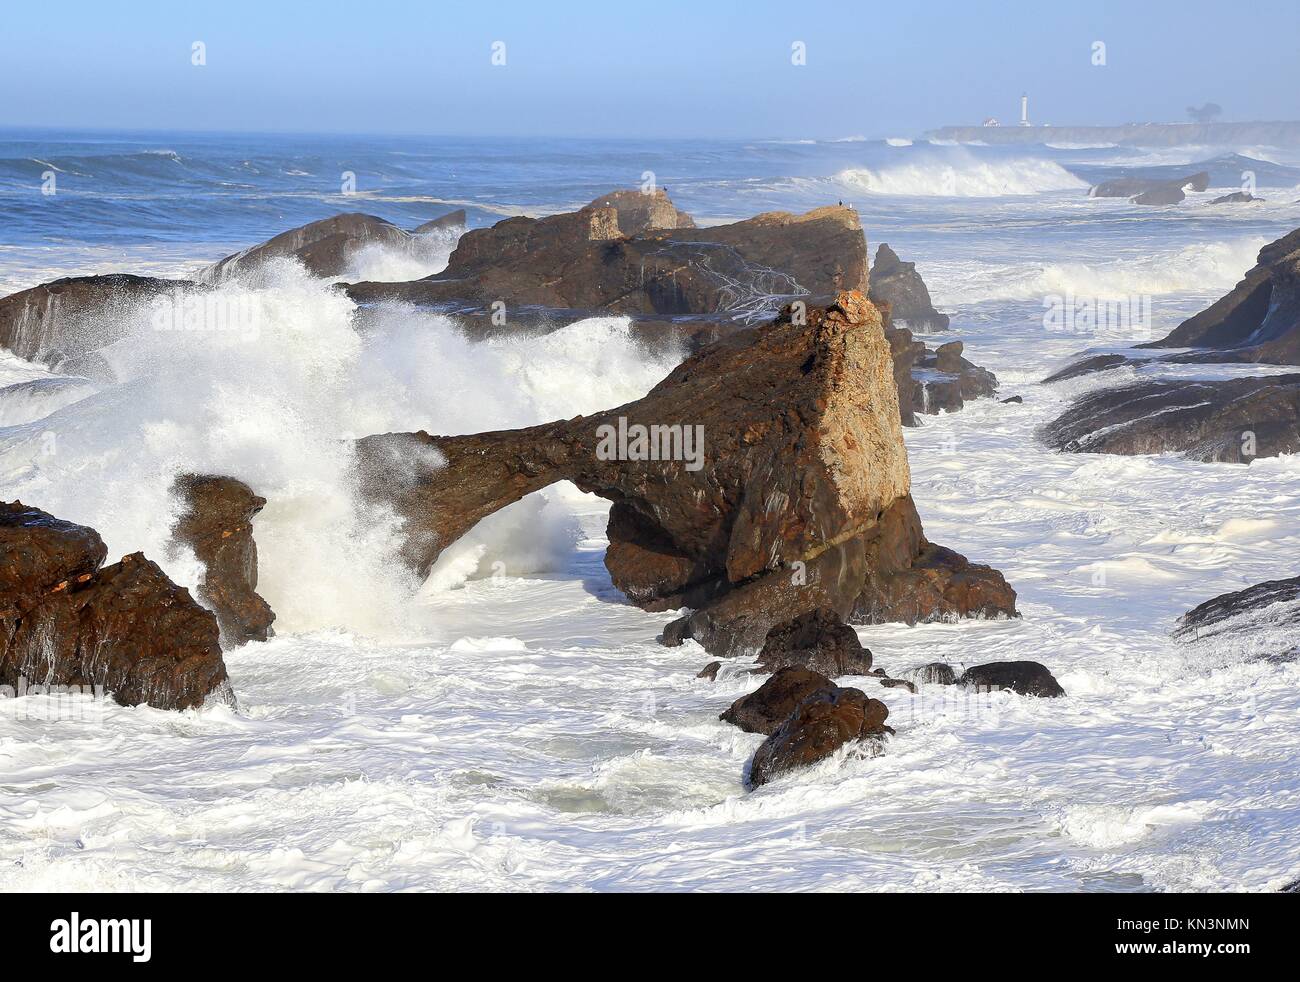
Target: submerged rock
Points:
(935, 673)
(822, 723)
(1228, 421)
(899, 284)
(1028, 678)
(1237, 197)
(1151, 191)
(217, 525)
(752, 484)
(124, 629)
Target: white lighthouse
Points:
(1024, 109)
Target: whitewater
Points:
(512, 723)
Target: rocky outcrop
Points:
(763, 479)
(930, 382)
(898, 284)
(216, 523)
(818, 641)
(1028, 678)
(325, 248)
(1091, 365)
(1258, 320)
(63, 323)
(1151, 191)
(1230, 421)
(1261, 621)
(125, 629)
(771, 704)
(1235, 198)
(587, 261)
(820, 724)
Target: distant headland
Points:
(1278, 134)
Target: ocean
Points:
(512, 723)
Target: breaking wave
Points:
(962, 177)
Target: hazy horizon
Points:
(730, 71)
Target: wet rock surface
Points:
(125, 629)
(324, 248)
(1028, 678)
(1231, 421)
(934, 381)
(1152, 191)
(1262, 621)
(819, 641)
(216, 524)
(768, 706)
(781, 515)
(821, 724)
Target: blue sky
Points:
(652, 69)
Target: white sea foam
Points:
(962, 176)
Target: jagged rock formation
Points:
(64, 322)
(1233, 420)
(125, 629)
(216, 524)
(1151, 191)
(767, 707)
(898, 284)
(325, 248)
(789, 491)
(934, 381)
(587, 260)
(1230, 421)
(1258, 320)
(1261, 621)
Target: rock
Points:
(1229, 421)
(1088, 366)
(1261, 621)
(935, 673)
(778, 514)
(1258, 321)
(931, 382)
(125, 629)
(710, 671)
(889, 683)
(772, 703)
(821, 724)
(1028, 678)
(216, 524)
(64, 322)
(640, 212)
(325, 248)
(1013, 400)
(1237, 197)
(899, 284)
(1148, 191)
(449, 222)
(819, 641)
(586, 261)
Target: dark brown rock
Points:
(821, 724)
(930, 382)
(776, 518)
(1091, 365)
(710, 671)
(899, 284)
(819, 641)
(124, 629)
(768, 706)
(1028, 678)
(935, 673)
(217, 524)
(1262, 620)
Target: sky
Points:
(708, 68)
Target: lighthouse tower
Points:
(1024, 109)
